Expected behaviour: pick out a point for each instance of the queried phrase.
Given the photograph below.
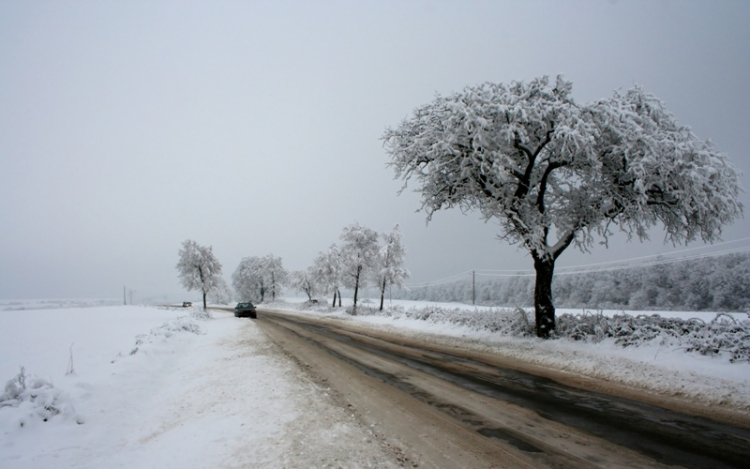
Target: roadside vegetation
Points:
(725, 335)
(720, 284)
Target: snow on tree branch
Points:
(554, 173)
(198, 268)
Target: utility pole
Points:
(473, 287)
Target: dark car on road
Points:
(245, 310)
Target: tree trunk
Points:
(356, 288)
(339, 292)
(544, 309)
(204, 301)
(273, 286)
(382, 293)
(335, 292)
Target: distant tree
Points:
(327, 271)
(222, 294)
(198, 268)
(248, 280)
(275, 274)
(359, 252)
(390, 263)
(303, 280)
(555, 173)
(256, 277)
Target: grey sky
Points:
(128, 127)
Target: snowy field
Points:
(154, 387)
(142, 387)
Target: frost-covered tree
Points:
(359, 253)
(256, 277)
(303, 280)
(275, 274)
(390, 263)
(555, 173)
(222, 294)
(327, 271)
(198, 268)
(248, 280)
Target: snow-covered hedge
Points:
(31, 398)
(724, 335)
(504, 321)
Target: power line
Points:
(661, 255)
(658, 259)
(621, 261)
(658, 262)
(620, 266)
(441, 281)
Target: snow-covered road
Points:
(453, 407)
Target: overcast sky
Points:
(254, 127)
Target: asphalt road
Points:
(442, 407)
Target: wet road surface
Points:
(508, 417)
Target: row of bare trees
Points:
(358, 261)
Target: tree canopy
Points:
(255, 277)
(199, 269)
(390, 268)
(359, 254)
(327, 271)
(554, 173)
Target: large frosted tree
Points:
(359, 253)
(390, 263)
(555, 173)
(199, 269)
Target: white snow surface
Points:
(157, 387)
(212, 393)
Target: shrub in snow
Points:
(504, 321)
(200, 313)
(166, 331)
(34, 398)
(723, 335)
